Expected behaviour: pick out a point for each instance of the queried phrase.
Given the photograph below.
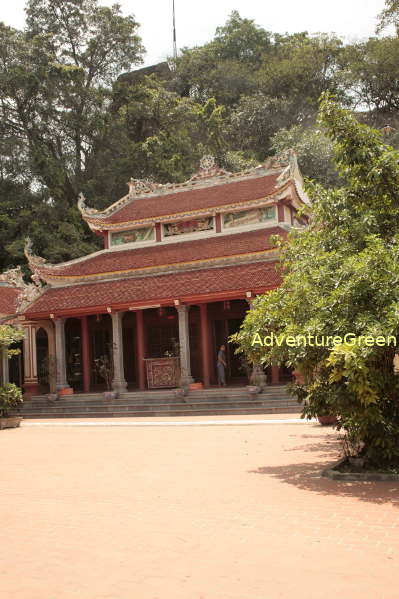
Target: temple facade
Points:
(180, 267)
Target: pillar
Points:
(184, 341)
(85, 349)
(60, 353)
(205, 342)
(275, 375)
(31, 383)
(119, 383)
(140, 349)
(4, 366)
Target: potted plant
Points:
(257, 381)
(49, 372)
(352, 448)
(10, 400)
(104, 366)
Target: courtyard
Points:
(189, 508)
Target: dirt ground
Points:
(189, 512)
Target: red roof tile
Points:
(155, 289)
(167, 254)
(192, 199)
(8, 299)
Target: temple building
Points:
(180, 267)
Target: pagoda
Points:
(180, 267)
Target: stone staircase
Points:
(207, 402)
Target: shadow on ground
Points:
(307, 475)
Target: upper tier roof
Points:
(161, 257)
(209, 191)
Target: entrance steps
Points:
(207, 402)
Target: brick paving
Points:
(196, 512)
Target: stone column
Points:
(85, 357)
(60, 354)
(31, 382)
(205, 350)
(184, 341)
(5, 378)
(119, 383)
(140, 349)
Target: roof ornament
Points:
(139, 187)
(13, 277)
(30, 256)
(208, 169)
(28, 293)
(83, 207)
(207, 163)
(285, 158)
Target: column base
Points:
(185, 381)
(119, 386)
(31, 389)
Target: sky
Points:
(197, 20)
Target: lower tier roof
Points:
(159, 256)
(210, 284)
(8, 300)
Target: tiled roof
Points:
(120, 261)
(157, 289)
(8, 299)
(190, 200)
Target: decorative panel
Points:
(162, 372)
(133, 236)
(188, 226)
(249, 217)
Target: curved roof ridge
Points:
(208, 175)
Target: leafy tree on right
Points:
(340, 276)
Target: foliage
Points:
(69, 121)
(10, 399)
(10, 335)
(340, 277)
(314, 150)
(372, 73)
(55, 91)
(104, 366)
(389, 16)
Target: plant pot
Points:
(195, 386)
(356, 461)
(253, 390)
(299, 378)
(327, 420)
(10, 422)
(109, 395)
(65, 391)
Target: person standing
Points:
(221, 366)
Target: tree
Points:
(254, 121)
(224, 68)
(300, 68)
(389, 16)
(340, 277)
(315, 152)
(55, 93)
(372, 73)
(153, 134)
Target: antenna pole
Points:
(174, 33)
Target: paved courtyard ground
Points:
(233, 511)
